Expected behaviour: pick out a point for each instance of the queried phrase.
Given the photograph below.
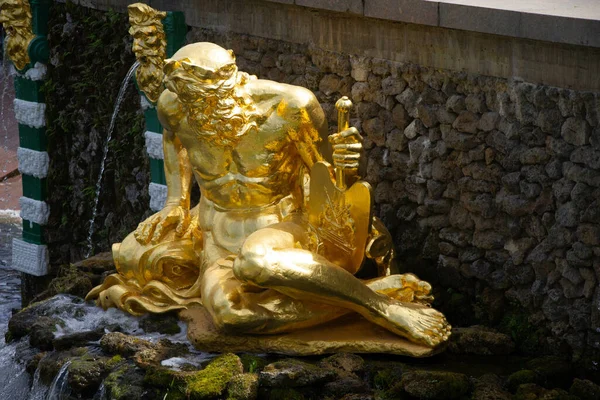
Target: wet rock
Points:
(166, 323)
(533, 392)
(77, 339)
(585, 389)
(243, 387)
(480, 340)
(436, 385)
(345, 362)
(51, 364)
(294, 373)
(41, 333)
(124, 345)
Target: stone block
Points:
(30, 258)
(413, 11)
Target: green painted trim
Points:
(39, 50)
(32, 138)
(32, 232)
(175, 30)
(152, 123)
(40, 11)
(33, 187)
(157, 171)
(26, 89)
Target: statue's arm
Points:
(178, 174)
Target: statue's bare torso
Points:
(263, 165)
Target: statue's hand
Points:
(156, 226)
(347, 147)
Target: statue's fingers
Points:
(351, 132)
(145, 229)
(347, 164)
(345, 156)
(183, 225)
(348, 146)
(335, 138)
(163, 226)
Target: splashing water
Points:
(60, 385)
(38, 389)
(111, 127)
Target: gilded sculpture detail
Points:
(283, 223)
(15, 16)
(149, 47)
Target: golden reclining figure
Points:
(250, 252)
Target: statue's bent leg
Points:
(273, 258)
(238, 307)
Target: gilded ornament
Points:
(15, 16)
(280, 230)
(149, 47)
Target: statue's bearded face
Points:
(16, 45)
(149, 49)
(215, 101)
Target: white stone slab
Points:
(30, 258)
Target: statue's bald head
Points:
(206, 61)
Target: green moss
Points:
(91, 54)
(527, 337)
(212, 381)
(252, 363)
(243, 387)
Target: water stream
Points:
(111, 127)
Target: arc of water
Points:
(60, 384)
(111, 127)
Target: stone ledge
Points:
(575, 22)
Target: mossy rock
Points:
(41, 333)
(87, 372)
(284, 394)
(489, 387)
(73, 283)
(434, 385)
(585, 389)
(212, 381)
(243, 387)
(53, 362)
(124, 345)
(531, 391)
(126, 383)
(521, 377)
(383, 375)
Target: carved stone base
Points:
(351, 334)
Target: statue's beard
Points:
(149, 78)
(16, 49)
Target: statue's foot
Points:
(418, 323)
(403, 287)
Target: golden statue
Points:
(278, 233)
(15, 16)
(149, 47)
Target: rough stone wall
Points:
(489, 187)
(90, 54)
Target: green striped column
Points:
(30, 254)
(175, 31)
